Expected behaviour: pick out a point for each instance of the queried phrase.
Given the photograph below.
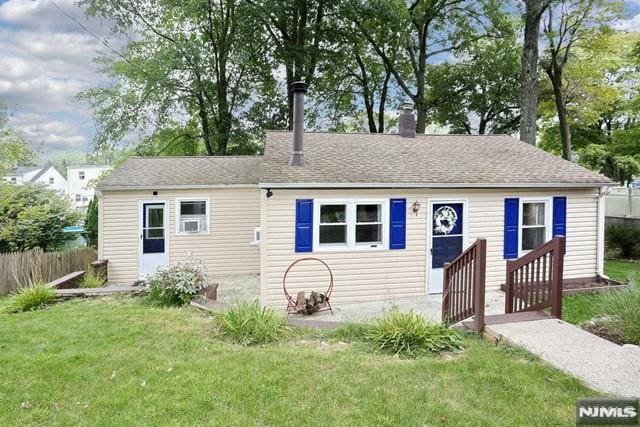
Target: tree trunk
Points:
(555, 75)
(529, 72)
(366, 95)
(204, 124)
(383, 101)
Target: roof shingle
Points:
(448, 160)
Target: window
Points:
(193, 216)
(85, 198)
(352, 224)
(78, 197)
(14, 180)
(81, 175)
(51, 180)
(535, 224)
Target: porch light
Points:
(416, 207)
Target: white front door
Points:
(447, 238)
(153, 238)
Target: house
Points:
(46, 175)
(80, 183)
(385, 211)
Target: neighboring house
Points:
(46, 175)
(384, 211)
(81, 183)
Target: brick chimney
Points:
(407, 122)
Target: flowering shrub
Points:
(178, 284)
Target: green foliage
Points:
(411, 335)
(178, 284)
(33, 216)
(14, 150)
(248, 323)
(91, 280)
(624, 239)
(622, 307)
(32, 297)
(91, 223)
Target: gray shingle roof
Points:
(168, 172)
(446, 160)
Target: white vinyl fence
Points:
(623, 202)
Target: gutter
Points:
(600, 231)
(430, 185)
(172, 187)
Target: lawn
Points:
(118, 361)
(580, 308)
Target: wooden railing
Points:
(464, 284)
(534, 281)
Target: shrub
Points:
(410, 335)
(178, 284)
(91, 280)
(623, 309)
(247, 323)
(31, 297)
(624, 239)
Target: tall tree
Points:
(429, 30)
(534, 9)
(190, 62)
(299, 34)
(568, 23)
(14, 150)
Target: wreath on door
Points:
(444, 220)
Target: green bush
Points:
(247, 323)
(623, 308)
(411, 335)
(31, 297)
(91, 280)
(624, 239)
(178, 284)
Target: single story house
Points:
(384, 211)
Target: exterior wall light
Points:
(416, 207)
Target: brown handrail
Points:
(534, 281)
(464, 286)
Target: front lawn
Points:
(117, 361)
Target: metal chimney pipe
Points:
(297, 153)
(407, 121)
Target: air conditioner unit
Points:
(191, 226)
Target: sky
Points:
(46, 59)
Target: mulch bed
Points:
(596, 284)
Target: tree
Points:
(567, 25)
(14, 150)
(534, 9)
(91, 223)
(300, 37)
(33, 216)
(428, 31)
(192, 64)
(481, 88)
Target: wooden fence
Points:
(534, 281)
(21, 268)
(464, 286)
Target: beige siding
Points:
(235, 212)
(368, 275)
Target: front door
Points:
(447, 239)
(153, 238)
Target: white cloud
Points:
(632, 24)
(51, 133)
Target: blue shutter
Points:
(304, 225)
(511, 217)
(398, 224)
(560, 217)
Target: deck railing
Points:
(464, 286)
(534, 281)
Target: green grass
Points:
(119, 361)
(580, 308)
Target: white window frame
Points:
(207, 215)
(547, 218)
(350, 222)
(81, 175)
(52, 180)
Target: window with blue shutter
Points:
(511, 217)
(398, 224)
(304, 225)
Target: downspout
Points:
(600, 231)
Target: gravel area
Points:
(602, 365)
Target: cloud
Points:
(632, 24)
(47, 133)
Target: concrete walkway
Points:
(600, 364)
